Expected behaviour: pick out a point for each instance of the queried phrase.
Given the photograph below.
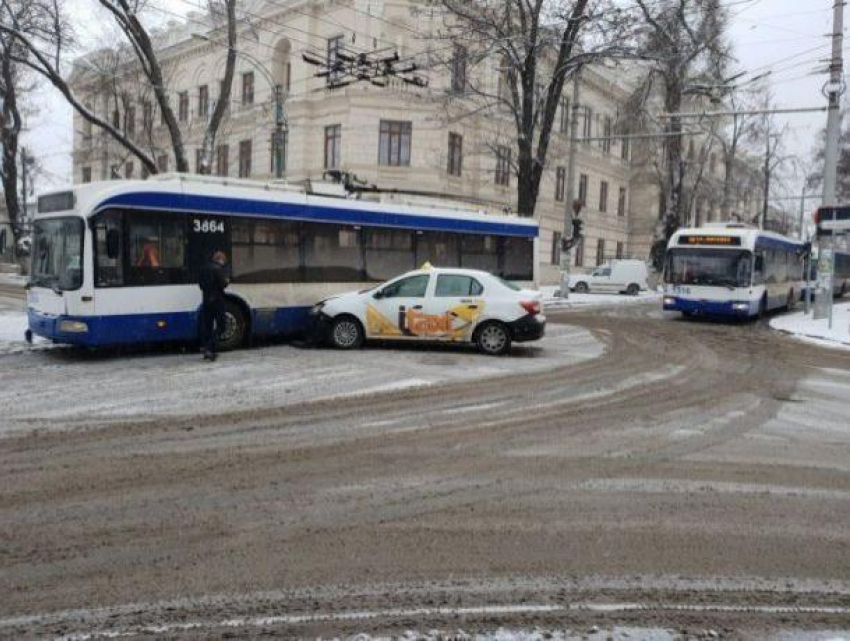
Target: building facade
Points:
(396, 137)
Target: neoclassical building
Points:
(399, 138)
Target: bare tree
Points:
(536, 46)
(684, 39)
(46, 53)
(741, 130)
(15, 84)
(814, 180)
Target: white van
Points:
(623, 276)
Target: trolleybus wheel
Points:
(235, 327)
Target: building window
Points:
(459, 69)
(619, 249)
(603, 196)
(203, 101)
(555, 259)
(600, 251)
(565, 115)
(506, 73)
(87, 127)
(587, 128)
(621, 202)
(279, 145)
(147, 116)
(128, 170)
(199, 160)
(247, 88)
(624, 148)
(606, 135)
(455, 154)
(162, 163)
(582, 189)
(130, 121)
(145, 172)
(394, 147)
(116, 118)
(335, 65)
(222, 160)
(503, 166)
(560, 183)
(580, 253)
(86, 174)
(245, 159)
(333, 146)
(183, 106)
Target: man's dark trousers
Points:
(212, 323)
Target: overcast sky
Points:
(787, 37)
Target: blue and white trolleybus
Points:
(117, 262)
(730, 269)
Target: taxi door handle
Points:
(416, 307)
(472, 306)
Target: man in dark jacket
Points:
(213, 281)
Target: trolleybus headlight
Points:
(741, 307)
(73, 327)
(669, 300)
(317, 309)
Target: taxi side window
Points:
(455, 285)
(410, 287)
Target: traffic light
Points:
(578, 226)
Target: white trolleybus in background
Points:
(732, 270)
(117, 262)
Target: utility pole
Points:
(766, 175)
(279, 131)
(833, 129)
(569, 205)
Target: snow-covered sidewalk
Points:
(591, 299)
(805, 328)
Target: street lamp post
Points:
(280, 124)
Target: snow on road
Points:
(591, 299)
(805, 328)
(65, 387)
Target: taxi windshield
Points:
(57, 254)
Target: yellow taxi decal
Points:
(379, 325)
(452, 325)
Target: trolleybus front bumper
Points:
(737, 309)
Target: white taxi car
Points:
(451, 305)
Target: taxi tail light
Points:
(531, 306)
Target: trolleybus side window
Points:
(332, 253)
(388, 252)
(441, 249)
(480, 252)
(156, 245)
(109, 254)
(518, 259)
(266, 251)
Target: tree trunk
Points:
(11, 128)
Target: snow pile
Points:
(12, 328)
(13, 279)
(805, 328)
(591, 299)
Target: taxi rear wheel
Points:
(346, 332)
(493, 338)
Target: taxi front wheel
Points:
(493, 338)
(346, 332)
